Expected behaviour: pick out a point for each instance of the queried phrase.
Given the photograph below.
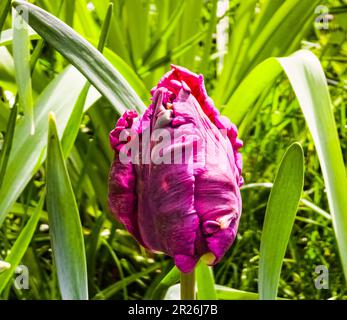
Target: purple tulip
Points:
(181, 197)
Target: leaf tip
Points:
(52, 125)
(51, 117)
(16, 3)
(296, 145)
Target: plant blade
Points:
(21, 244)
(246, 94)
(5, 6)
(172, 277)
(24, 159)
(7, 146)
(87, 59)
(205, 282)
(309, 83)
(65, 225)
(21, 58)
(279, 219)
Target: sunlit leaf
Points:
(309, 83)
(87, 59)
(21, 58)
(28, 151)
(279, 219)
(205, 282)
(21, 244)
(64, 221)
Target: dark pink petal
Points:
(183, 208)
(122, 196)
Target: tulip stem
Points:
(188, 285)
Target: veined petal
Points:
(185, 201)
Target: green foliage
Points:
(55, 66)
(21, 59)
(279, 219)
(64, 221)
(205, 282)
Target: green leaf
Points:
(291, 14)
(247, 93)
(5, 6)
(64, 221)
(105, 30)
(137, 15)
(173, 54)
(119, 266)
(73, 125)
(234, 57)
(21, 58)
(28, 151)
(109, 291)
(7, 146)
(4, 116)
(225, 293)
(128, 73)
(309, 83)
(209, 36)
(6, 37)
(169, 280)
(165, 33)
(87, 59)
(205, 282)
(268, 38)
(279, 219)
(188, 26)
(21, 244)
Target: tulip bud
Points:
(174, 182)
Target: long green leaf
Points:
(4, 116)
(188, 26)
(28, 151)
(128, 73)
(279, 219)
(245, 96)
(169, 280)
(7, 146)
(273, 38)
(21, 58)
(225, 293)
(105, 28)
(165, 33)
(309, 83)
(205, 282)
(6, 37)
(5, 6)
(21, 244)
(174, 54)
(209, 36)
(73, 125)
(109, 291)
(137, 15)
(65, 225)
(233, 59)
(87, 59)
(266, 40)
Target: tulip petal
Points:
(185, 200)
